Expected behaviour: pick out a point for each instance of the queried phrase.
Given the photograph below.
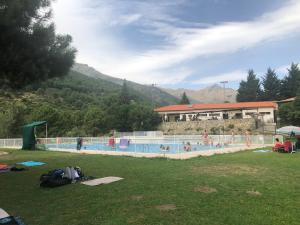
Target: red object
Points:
(236, 105)
(278, 145)
(111, 142)
(287, 146)
(4, 167)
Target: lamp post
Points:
(224, 82)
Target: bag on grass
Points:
(11, 220)
(54, 179)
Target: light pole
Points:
(224, 82)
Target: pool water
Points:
(142, 148)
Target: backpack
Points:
(54, 178)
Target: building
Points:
(263, 111)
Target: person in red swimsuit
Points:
(277, 145)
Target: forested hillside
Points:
(159, 96)
(77, 105)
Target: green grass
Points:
(158, 182)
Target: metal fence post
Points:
(134, 143)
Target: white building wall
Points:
(265, 114)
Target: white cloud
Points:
(126, 19)
(236, 75)
(98, 45)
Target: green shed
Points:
(29, 140)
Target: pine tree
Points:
(184, 99)
(249, 90)
(124, 95)
(271, 86)
(30, 49)
(290, 82)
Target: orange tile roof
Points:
(235, 105)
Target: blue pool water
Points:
(142, 148)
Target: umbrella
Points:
(288, 130)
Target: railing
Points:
(11, 143)
(167, 140)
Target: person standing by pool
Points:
(232, 137)
(205, 137)
(112, 142)
(248, 138)
(79, 143)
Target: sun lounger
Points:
(124, 143)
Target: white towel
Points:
(3, 214)
(104, 180)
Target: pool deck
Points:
(182, 155)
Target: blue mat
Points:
(262, 150)
(31, 163)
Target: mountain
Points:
(76, 105)
(155, 94)
(211, 94)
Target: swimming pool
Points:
(140, 148)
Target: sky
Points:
(182, 43)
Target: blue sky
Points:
(182, 43)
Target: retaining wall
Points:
(238, 126)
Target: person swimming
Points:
(188, 147)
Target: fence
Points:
(11, 143)
(172, 140)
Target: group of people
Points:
(164, 148)
(286, 146)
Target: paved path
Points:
(183, 155)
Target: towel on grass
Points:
(104, 180)
(262, 150)
(3, 214)
(4, 168)
(31, 163)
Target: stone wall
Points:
(212, 126)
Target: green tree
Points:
(12, 120)
(289, 113)
(249, 90)
(30, 49)
(95, 121)
(285, 114)
(143, 117)
(53, 117)
(121, 119)
(290, 82)
(124, 95)
(271, 86)
(184, 99)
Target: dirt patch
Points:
(205, 189)
(167, 207)
(137, 197)
(137, 219)
(3, 153)
(227, 170)
(253, 193)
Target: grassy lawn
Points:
(240, 188)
